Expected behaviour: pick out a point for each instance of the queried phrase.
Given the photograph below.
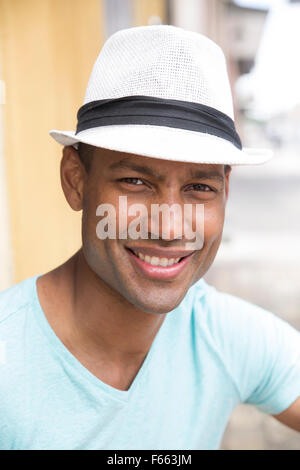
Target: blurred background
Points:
(47, 49)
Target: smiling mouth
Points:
(160, 261)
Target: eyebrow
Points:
(127, 165)
(206, 174)
(194, 174)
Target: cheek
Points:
(94, 197)
(213, 222)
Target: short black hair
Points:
(86, 153)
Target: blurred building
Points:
(242, 29)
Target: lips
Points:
(157, 263)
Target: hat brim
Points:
(165, 143)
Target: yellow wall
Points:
(144, 9)
(47, 48)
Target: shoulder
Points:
(221, 307)
(260, 350)
(18, 345)
(235, 321)
(16, 299)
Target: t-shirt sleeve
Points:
(260, 351)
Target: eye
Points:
(133, 181)
(199, 187)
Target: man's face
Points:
(136, 269)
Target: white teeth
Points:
(155, 261)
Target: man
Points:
(125, 346)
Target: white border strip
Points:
(6, 265)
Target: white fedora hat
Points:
(161, 92)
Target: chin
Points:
(158, 301)
(157, 308)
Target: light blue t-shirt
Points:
(211, 353)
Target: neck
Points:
(90, 317)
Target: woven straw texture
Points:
(164, 62)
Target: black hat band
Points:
(158, 112)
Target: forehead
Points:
(112, 161)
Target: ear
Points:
(73, 175)
(227, 175)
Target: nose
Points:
(166, 216)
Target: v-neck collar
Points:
(64, 353)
